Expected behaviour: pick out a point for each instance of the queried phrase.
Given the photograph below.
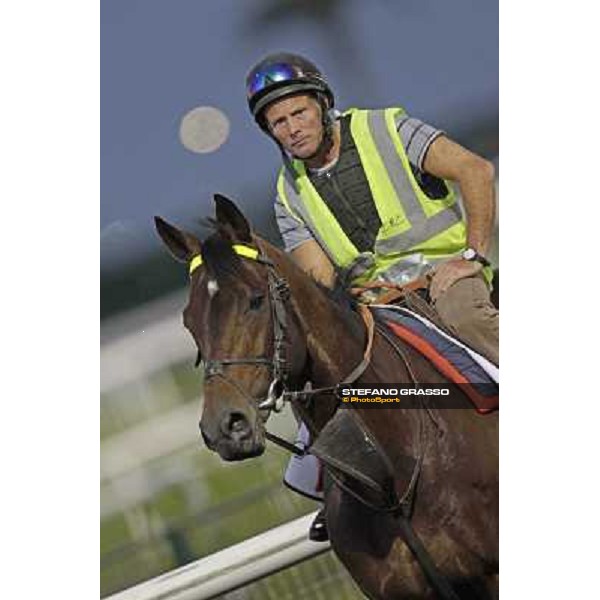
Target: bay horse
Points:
(264, 328)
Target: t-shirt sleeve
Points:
(293, 231)
(416, 138)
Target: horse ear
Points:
(182, 245)
(229, 214)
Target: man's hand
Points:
(447, 273)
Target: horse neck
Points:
(334, 335)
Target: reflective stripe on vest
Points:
(316, 214)
(411, 222)
(423, 218)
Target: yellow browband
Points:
(240, 249)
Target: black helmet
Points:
(282, 74)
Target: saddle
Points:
(407, 313)
(413, 295)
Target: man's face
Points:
(295, 122)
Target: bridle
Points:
(279, 293)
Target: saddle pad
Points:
(476, 375)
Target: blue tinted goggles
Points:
(272, 74)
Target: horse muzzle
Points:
(236, 437)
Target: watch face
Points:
(469, 254)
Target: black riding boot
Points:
(318, 529)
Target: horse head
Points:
(236, 314)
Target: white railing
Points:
(233, 567)
(143, 341)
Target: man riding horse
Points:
(366, 195)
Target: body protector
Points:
(416, 231)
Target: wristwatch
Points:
(472, 255)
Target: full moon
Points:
(204, 129)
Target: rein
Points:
(303, 395)
(388, 291)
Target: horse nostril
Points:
(236, 426)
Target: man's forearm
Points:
(310, 258)
(475, 176)
(478, 192)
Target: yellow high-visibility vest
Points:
(415, 229)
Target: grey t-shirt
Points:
(416, 138)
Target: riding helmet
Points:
(283, 74)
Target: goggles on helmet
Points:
(271, 75)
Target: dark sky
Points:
(161, 58)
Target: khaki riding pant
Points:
(466, 307)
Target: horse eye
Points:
(198, 359)
(256, 301)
